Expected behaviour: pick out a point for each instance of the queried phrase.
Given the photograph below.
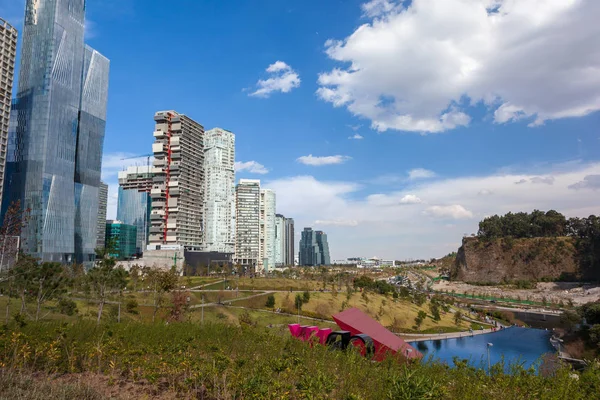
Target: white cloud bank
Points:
(419, 67)
(252, 167)
(320, 161)
(427, 218)
(282, 78)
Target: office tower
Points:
(123, 238)
(289, 240)
(280, 249)
(178, 185)
(267, 230)
(134, 203)
(247, 223)
(323, 245)
(56, 150)
(8, 54)
(219, 191)
(314, 248)
(101, 221)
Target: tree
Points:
(21, 278)
(435, 311)
(50, 281)
(15, 219)
(305, 297)
(420, 318)
(161, 281)
(458, 317)
(180, 305)
(105, 277)
(298, 301)
(270, 301)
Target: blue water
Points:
(517, 345)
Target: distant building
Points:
(314, 248)
(284, 240)
(267, 230)
(289, 240)
(123, 238)
(101, 223)
(279, 240)
(8, 54)
(177, 192)
(247, 221)
(219, 191)
(134, 202)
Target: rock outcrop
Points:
(508, 259)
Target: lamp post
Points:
(488, 355)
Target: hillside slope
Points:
(510, 259)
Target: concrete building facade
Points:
(219, 191)
(279, 240)
(8, 55)
(134, 203)
(247, 224)
(101, 221)
(176, 219)
(267, 230)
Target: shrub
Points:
(270, 301)
(305, 297)
(67, 306)
(131, 306)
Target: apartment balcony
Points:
(156, 230)
(159, 162)
(158, 170)
(156, 217)
(174, 141)
(176, 155)
(158, 148)
(159, 134)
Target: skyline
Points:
(393, 194)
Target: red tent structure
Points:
(357, 322)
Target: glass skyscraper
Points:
(55, 150)
(133, 208)
(314, 248)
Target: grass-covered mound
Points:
(219, 361)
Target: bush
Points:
(67, 306)
(131, 306)
(270, 301)
(305, 297)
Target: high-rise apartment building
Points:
(177, 192)
(8, 54)
(289, 240)
(247, 223)
(101, 222)
(59, 120)
(267, 230)
(134, 203)
(219, 191)
(314, 248)
(279, 240)
(284, 240)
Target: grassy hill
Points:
(217, 361)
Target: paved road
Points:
(419, 337)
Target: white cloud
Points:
(354, 127)
(282, 79)
(421, 65)
(547, 180)
(337, 222)
(455, 211)
(434, 224)
(319, 161)
(375, 8)
(252, 167)
(410, 199)
(420, 173)
(588, 182)
(356, 136)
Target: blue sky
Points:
(461, 111)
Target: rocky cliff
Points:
(510, 259)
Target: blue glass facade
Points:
(133, 208)
(314, 248)
(56, 146)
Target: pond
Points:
(517, 345)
